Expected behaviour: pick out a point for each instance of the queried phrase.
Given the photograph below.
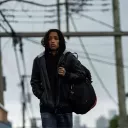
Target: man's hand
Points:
(61, 71)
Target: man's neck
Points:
(54, 53)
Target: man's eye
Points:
(56, 38)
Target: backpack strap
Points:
(75, 54)
(66, 56)
(65, 59)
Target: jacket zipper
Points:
(57, 100)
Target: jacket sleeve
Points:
(76, 72)
(35, 79)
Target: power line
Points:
(51, 10)
(5, 44)
(3, 28)
(7, 22)
(104, 62)
(14, 42)
(91, 0)
(52, 5)
(90, 4)
(53, 21)
(95, 20)
(27, 10)
(93, 54)
(24, 11)
(91, 10)
(28, 22)
(82, 3)
(23, 16)
(33, 41)
(93, 68)
(32, 3)
(69, 3)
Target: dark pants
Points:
(51, 120)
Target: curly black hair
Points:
(62, 44)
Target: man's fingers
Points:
(61, 71)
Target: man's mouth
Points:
(53, 45)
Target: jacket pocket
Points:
(42, 90)
(43, 98)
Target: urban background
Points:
(97, 30)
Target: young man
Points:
(50, 80)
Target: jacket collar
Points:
(43, 53)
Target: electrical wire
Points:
(5, 44)
(51, 5)
(28, 22)
(32, 3)
(104, 62)
(23, 16)
(32, 41)
(23, 22)
(53, 21)
(91, 10)
(27, 10)
(3, 28)
(1, 13)
(24, 11)
(95, 20)
(90, 4)
(93, 68)
(53, 10)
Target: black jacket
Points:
(41, 85)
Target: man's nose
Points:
(53, 40)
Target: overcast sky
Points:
(101, 48)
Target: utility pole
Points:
(127, 95)
(58, 14)
(67, 15)
(123, 123)
(23, 102)
(1, 78)
(33, 123)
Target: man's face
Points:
(53, 41)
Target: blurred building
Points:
(77, 123)
(102, 122)
(4, 123)
(112, 113)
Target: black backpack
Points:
(82, 96)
